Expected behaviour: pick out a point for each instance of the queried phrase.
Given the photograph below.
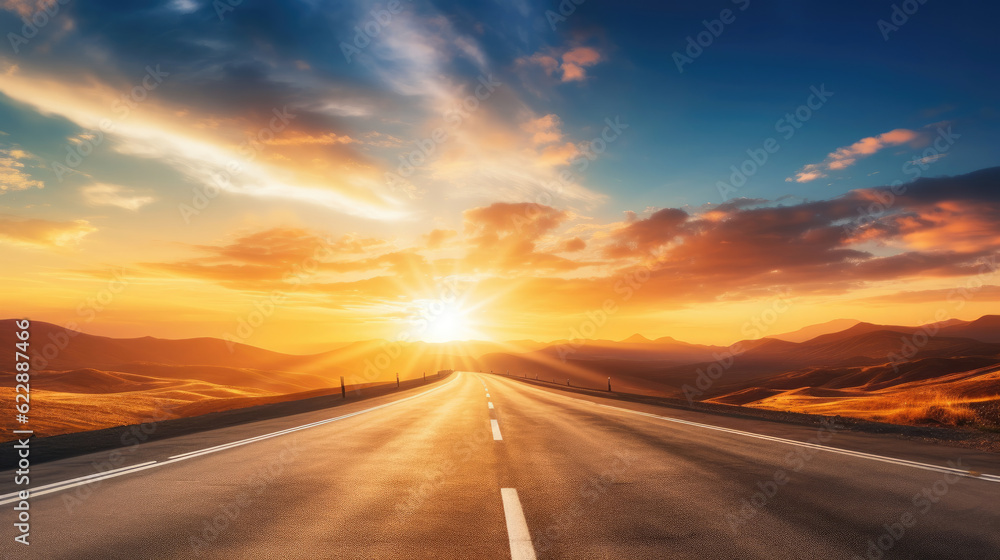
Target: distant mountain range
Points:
(835, 362)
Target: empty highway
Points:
(483, 466)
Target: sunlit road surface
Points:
(482, 466)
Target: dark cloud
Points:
(946, 226)
(648, 235)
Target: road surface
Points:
(482, 466)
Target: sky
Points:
(299, 174)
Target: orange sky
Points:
(439, 190)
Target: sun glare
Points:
(444, 323)
(449, 326)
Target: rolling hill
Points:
(87, 382)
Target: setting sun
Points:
(541, 279)
(446, 323)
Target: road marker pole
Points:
(609, 384)
(397, 380)
(343, 388)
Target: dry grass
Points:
(929, 407)
(914, 407)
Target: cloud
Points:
(847, 156)
(438, 237)
(12, 175)
(44, 233)
(353, 121)
(267, 259)
(988, 292)
(929, 159)
(204, 156)
(524, 220)
(568, 66)
(544, 130)
(199, 118)
(523, 256)
(648, 235)
(103, 194)
(24, 8)
(327, 139)
(576, 60)
(937, 228)
(288, 245)
(960, 213)
(504, 238)
(572, 245)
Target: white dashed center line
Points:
(517, 526)
(496, 430)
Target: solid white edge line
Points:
(496, 430)
(36, 493)
(517, 526)
(88, 479)
(857, 454)
(302, 427)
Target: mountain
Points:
(866, 344)
(985, 328)
(812, 331)
(55, 348)
(59, 348)
(87, 381)
(636, 339)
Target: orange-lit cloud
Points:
(730, 252)
(279, 258)
(299, 139)
(504, 237)
(575, 60)
(544, 130)
(437, 237)
(24, 8)
(12, 175)
(153, 131)
(641, 237)
(572, 245)
(847, 156)
(524, 263)
(568, 66)
(42, 233)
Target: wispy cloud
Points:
(103, 194)
(847, 156)
(44, 233)
(200, 154)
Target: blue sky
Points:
(199, 81)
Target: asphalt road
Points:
(481, 466)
